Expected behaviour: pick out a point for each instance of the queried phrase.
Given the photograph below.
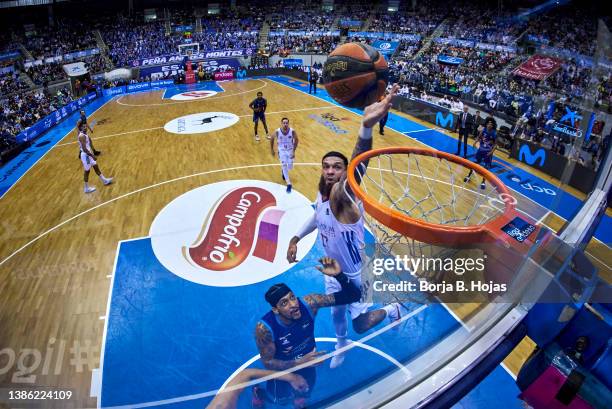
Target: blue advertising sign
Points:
(9, 55)
(161, 83)
(47, 122)
(449, 59)
(180, 29)
(209, 65)
(386, 35)
(455, 41)
(293, 62)
(205, 55)
(80, 54)
(385, 47)
(114, 91)
(526, 156)
(444, 121)
(280, 33)
(138, 86)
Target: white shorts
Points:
(286, 159)
(355, 309)
(87, 160)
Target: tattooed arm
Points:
(349, 293)
(267, 349)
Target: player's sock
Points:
(338, 359)
(286, 175)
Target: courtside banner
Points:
(203, 55)
(385, 47)
(538, 67)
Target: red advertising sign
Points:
(220, 76)
(538, 67)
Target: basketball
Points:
(355, 75)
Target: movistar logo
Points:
(526, 156)
(570, 115)
(444, 122)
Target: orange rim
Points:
(423, 231)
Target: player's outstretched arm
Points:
(349, 293)
(308, 227)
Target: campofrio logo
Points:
(231, 230)
(230, 233)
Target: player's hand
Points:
(292, 253)
(311, 356)
(330, 266)
(297, 382)
(293, 155)
(373, 113)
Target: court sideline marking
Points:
(51, 148)
(161, 127)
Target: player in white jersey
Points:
(340, 224)
(287, 141)
(89, 160)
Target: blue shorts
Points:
(483, 156)
(259, 115)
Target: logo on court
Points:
(444, 121)
(193, 95)
(229, 239)
(230, 233)
(201, 123)
(526, 156)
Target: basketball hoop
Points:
(418, 205)
(446, 172)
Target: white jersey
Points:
(87, 142)
(344, 242)
(285, 142)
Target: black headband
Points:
(337, 155)
(276, 292)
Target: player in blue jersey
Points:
(486, 148)
(285, 335)
(259, 105)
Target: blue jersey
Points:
(83, 119)
(259, 104)
(487, 140)
(293, 341)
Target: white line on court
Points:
(277, 374)
(49, 150)
(111, 135)
(142, 190)
(421, 130)
(265, 84)
(161, 127)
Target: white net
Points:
(431, 189)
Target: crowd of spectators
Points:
(10, 83)
(45, 73)
(318, 44)
(20, 111)
(567, 27)
(65, 36)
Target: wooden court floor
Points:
(58, 245)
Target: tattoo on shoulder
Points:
(262, 335)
